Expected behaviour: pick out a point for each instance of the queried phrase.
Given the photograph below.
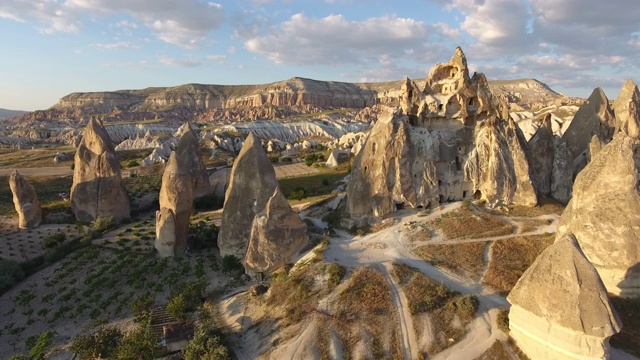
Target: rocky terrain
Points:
(410, 219)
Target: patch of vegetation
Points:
(423, 294)
(468, 223)
(10, 274)
(336, 273)
(53, 240)
(208, 341)
(47, 188)
(511, 257)
(463, 258)
(314, 184)
(502, 321)
(497, 351)
(37, 346)
(230, 263)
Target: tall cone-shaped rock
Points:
(604, 214)
(188, 150)
(626, 109)
(277, 234)
(98, 190)
(562, 172)
(594, 117)
(499, 166)
(394, 167)
(541, 150)
(253, 182)
(176, 203)
(25, 201)
(559, 307)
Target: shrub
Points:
(206, 344)
(336, 273)
(141, 306)
(10, 274)
(325, 182)
(53, 240)
(465, 306)
(503, 320)
(287, 160)
(133, 163)
(298, 194)
(231, 263)
(140, 344)
(98, 345)
(177, 307)
(274, 159)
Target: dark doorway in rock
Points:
(441, 199)
(464, 194)
(399, 206)
(477, 194)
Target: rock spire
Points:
(25, 201)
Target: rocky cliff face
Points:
(97, 190)
(253, 182)
(604, 212)
(559, 307)
(25, 201)
(447, 143)
(277, 234)
(499, 167)
(176, 204)
(541, 149)
(189, 152)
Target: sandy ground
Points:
(295, 169)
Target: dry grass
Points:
(511, 257)
(42, 157)
(497, 351)
(465, 259)
(546, 206)
(529, 225)
(465, 223)
(366, 314)
(423, 293)
(629, 337)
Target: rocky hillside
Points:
(230, 103)
(5, 113)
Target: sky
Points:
(51, 48)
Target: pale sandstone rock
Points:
(541, 150)
(189, 152)
(559, 307)
(594, 117)
(337, 157)
(253, 182)
(25, 201)
(626, 109)
(97, 190)
(176, 203)
(498, 165)
(277, 235)
(604, 214)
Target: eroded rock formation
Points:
(189, 152)
(559, 307)
(448, 142)
(604, 211)
(594, 117)
(541, 150)
(97, 190)
(176, 203)
(499, 167)
(25, 201)
(277, 234)
(626, 109)
(252, 185)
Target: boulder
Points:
(594, 117)
(604, 214)
(560, 308)
(189, 152)
(498, 166)
(541, 151)
(97, 190)
(253, 182)
(277, 235)
(25, 201)
(176, 203)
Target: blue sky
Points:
(55, 47)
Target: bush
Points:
(133, 163)
(298, 194)
(231, 263)
(206, 344)
(274, 159)
(465, 306)
(10, 274)
(205, 202)
(140, 344)
(325, 182)
(98, 345)
(141, 307)
(202, 235)
(287, 160)
(177, 307)
(503, 320)
(53, 240)
(336, 273)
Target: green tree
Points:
(98, 345)
(177, 307)
(205, 345)
(140, 344)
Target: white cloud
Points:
(117, 45)
(336, 40)
(188, 62)
(51, 16)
